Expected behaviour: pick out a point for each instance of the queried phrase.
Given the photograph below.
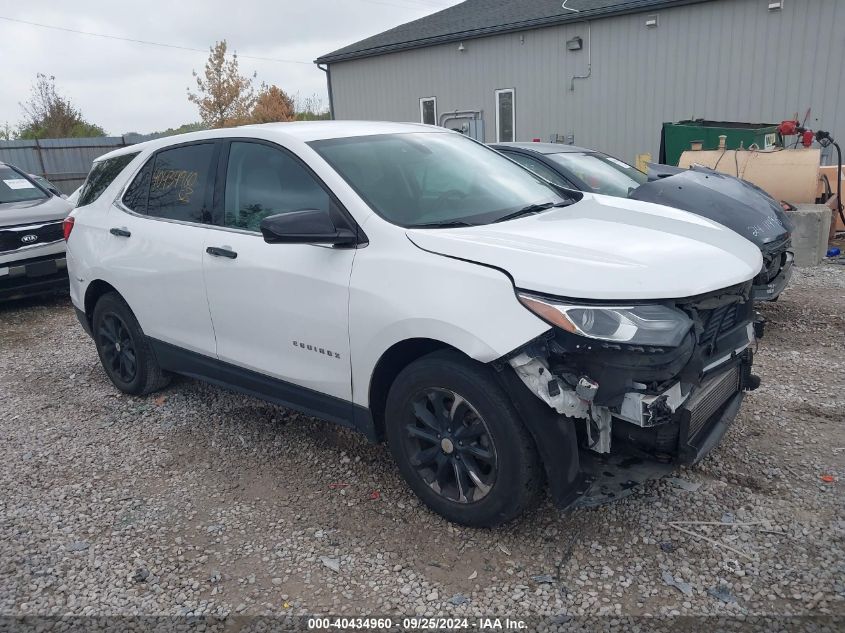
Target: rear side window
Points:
(102, 174)
(174, 184)
(136, 194)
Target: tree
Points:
(272, 105)
(7, 132)
(311, 108)
(49, 115)
(225, 98)
(182, 129)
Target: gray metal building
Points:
(599, 73)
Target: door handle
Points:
(221, 252)
(120, 232)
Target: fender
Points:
(470, 307)
(555, 437)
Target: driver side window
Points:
(263, 181)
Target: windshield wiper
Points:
(445, 224)
(533, 208)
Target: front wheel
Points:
(459, 443)
(124, 351)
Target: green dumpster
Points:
(675, 138)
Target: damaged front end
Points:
(661, 380)
(732, 202)
(777, 270)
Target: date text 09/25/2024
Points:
(417, 623)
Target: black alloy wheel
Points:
(119, 356)
(124, 350)
(450, 446)
(459, 441)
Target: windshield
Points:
(15, 187)
(426, 178)
(43, 182)
(599, 173)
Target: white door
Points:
(155, 246)
(278, 309)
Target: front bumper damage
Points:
(778, 260)
(665, 406)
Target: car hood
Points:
(605, 248)
(43, 210)
(736, 203)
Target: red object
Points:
(67, 227)
(375, 494)
(794, 128)
(807, 138)
(828, 479)
(535, 140)
(338, 485)
(789, 128)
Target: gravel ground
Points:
(201, 501)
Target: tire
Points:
(459, 442)
(119, 340)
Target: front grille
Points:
(718, 320)
(14, 237)
(710, 397)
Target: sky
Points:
(132, 87)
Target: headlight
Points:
(648, 324)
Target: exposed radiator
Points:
(710, 397)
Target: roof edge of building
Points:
(632, 6)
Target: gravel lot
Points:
(201, 501)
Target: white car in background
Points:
(416, 285)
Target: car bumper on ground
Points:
(770, 290)
(34, 276)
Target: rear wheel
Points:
(459, 443)
(124, 351)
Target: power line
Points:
(148, 42)
(412, 4)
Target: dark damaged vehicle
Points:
(733, 202)
(32, 249)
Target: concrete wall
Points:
(725, 60)
(811, 232)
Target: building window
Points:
(428, 110)
(505, 116)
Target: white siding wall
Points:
(725, 60)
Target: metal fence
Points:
(63, 161)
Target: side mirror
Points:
(309, 226)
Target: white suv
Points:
(415, 285)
